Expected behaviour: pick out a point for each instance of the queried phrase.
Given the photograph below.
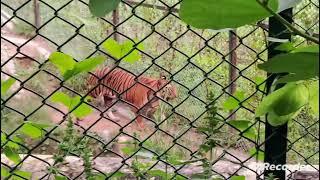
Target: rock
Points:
(73, 166)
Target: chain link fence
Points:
(208, 131)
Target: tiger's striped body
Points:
(118, 83)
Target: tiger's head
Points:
(169, 91)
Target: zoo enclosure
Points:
(276, 141)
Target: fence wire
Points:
(211, 71)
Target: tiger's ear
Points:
(162, 75)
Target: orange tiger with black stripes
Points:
(139, 92)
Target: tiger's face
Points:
(169, 92)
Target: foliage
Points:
(207, 15)
(234, 101)
(16, 174)
(101, 7)
(125, 51)
(5, 85)
(33, 130)
(11, 146)
(238, 178)
(211, 128)
(74, 104)
(201, 14)
(245, 127)
(293, 64)
(69, 67)
(72, 143)
(257, 153)
(314, 97)
(284, 104)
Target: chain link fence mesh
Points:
(215, 74)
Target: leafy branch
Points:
(293, 30)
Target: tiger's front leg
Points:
(140, 122)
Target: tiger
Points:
(139, 92)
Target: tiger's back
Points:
(119, 84)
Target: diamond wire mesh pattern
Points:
(197, 62)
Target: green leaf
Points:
(134, 56)
(31, 130)
(24, 174)
(292, 100)
(314, 97)
(286, 47)
(140, 46)
(259, 155)
(3, 138)
(39, 125)
(238, 178)
(128, 150)
(100, 8)
(60, 97)
(284, 101)
(112, 47)
(289, 47)
(121, 50)
(295, 77)
(82, 110)
(308, 49)
(240, 124)
(179, 177)
(62, 61)
(10, 154)
(260, 81)
(5, 85)
(89, 64)
(276, 120)
(83, 66)
(232, 103)
(173, 160)
(302, 64)
(206, 14)
(4, 172)
(243, 125)
(14, 145)
(60, 178)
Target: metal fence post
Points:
(233, 63)
(276, 137)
